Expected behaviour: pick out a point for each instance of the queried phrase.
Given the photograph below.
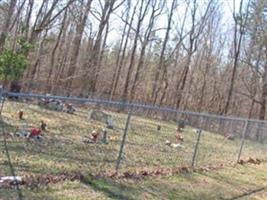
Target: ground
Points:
(216, 177)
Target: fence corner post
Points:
(243, 140)
(124, 139)
(199, 131)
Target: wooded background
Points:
(186, 54)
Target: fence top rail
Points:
(129, 105)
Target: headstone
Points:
(110, 123)
(51, 104)
(102, 117)
(38, 138)
(69, 108)
(56, 105)
(230, 137)
(22, 133)
(181, 124)
(42, 102)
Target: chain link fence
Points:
(131, 138)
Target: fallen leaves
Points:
(36, 181)
(255, 161)
(140, 174)
(137, 175)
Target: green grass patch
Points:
(64, 151)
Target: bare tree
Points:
(141, 15)
(162, 64)
(28, 18)
(81, 22)
(120, 60)
(181, 63)
(240, 23)
(95, 60)
(157, 8)
(194, 34)
(53, 53)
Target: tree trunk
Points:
(38, 57)
(121, 61)
(143, 48)
(141, 16)
(237, 48)
(263, 96)
(157, 81)
(28, 18)
(183, 80)
(95, 60)
(5, 28)
(77, 42)
(100, 59)
(53, 53)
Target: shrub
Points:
(12, 65)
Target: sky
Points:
(226, 11)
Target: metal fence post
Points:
(242, 140)
(219, 126)
(1, 91)
(124, 139)
(2, 98)
(199, 131)
(104, 138)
